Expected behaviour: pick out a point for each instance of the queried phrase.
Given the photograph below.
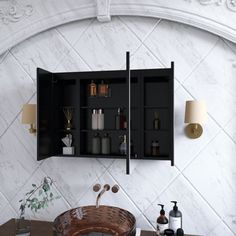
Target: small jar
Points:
(103, 89)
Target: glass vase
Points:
(23, 227)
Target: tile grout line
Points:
(132, 31)
(159, 60)
(165, 188)
(199, 152)
(24, 184)
(131, 200)
(15, 118)
(88, 26)
(212, 117)
(93, 182)
(7, 201)
(203, 198)
(6, 125)
(55, 185)
(201, 61)
(20, 65)
(228, 45)
(20, 139)
(72, 45)
(3, 56)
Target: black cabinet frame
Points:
(139, 92)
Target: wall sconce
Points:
(29, 116)
(195, 115)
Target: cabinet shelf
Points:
(156, 130)
(116, 156)
(67, 131)
(103, 107)
(156, 107)
(63, 155)
(160, 157)
(104, 130)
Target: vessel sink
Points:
(89, 219)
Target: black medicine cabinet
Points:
(141, 94)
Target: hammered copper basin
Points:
(89, 219)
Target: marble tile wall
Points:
(204, 176)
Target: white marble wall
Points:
(203, 179)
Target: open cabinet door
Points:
(45, 122)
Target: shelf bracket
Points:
(103, 10)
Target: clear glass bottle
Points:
(123, 146)
(120, 120)
(155, 148)
(156, 121)
(103, 89)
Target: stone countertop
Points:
(39, 228)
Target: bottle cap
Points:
(180, 232)
(162, 212)
(169, 232)
(100, 111)
(175, 208)
(125, 138)
(94, 111)
(118, 110)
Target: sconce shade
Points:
(195, 112)
(29, 114)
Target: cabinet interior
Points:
(151, 94)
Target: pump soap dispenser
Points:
(175, 218)
(162, 221)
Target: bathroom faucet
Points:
(106, 187)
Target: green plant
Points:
(36, 201)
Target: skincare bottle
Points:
(155, 148)
(162, 221)
(94, 119)
(175, 218)
(96, 144)
(100, 119)
(123, 146)
(92, 89)
(156, 121)
(117, 119)
(120, 120)
(106, 144)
